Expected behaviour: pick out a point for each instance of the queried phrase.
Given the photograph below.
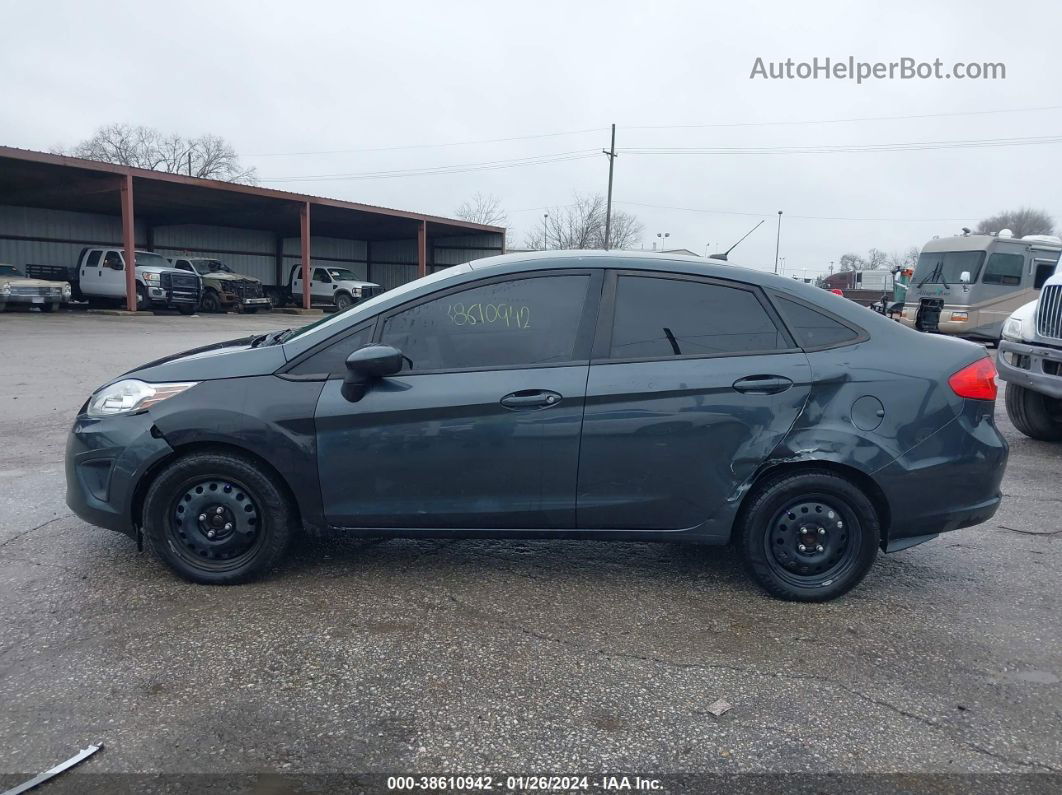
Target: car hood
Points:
(358, 284)
(229, 277)
(229, 359)
(24, 281)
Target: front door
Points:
(321, 287)
(693, 384)
(112, 274)
(481, 429)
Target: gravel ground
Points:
(434, 657)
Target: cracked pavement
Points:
(508, 656)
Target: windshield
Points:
(146, 258)
(342, 275)
(9, 270)
(945, 267)
(205, 266)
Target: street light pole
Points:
(777, 241)
(545, 217)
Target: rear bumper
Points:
(105, 460)
(1029, 365)
(949, 481)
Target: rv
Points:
(968, 285)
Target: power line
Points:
(840, 121)
(431, 146)
(907, 146)
(802, 217)
(456, 168)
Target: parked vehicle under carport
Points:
(19, 290)
(580, 395)
(223, 288)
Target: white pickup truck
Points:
(100, 278)
(1030, 361)
(338, 287)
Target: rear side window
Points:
(813, 329)
(1004, 269)
(658, 317)
(505, 324)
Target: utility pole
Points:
(777, 241)
(611, 152)
(189, 162)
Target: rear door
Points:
(693, 383)
(90, 277)
(481, 428)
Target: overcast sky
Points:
(323, 76)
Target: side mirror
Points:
(367, 364)
(964, 277)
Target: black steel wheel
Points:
(217, 518)
(809, 536)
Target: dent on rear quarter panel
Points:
(267, 416)
(908, 383)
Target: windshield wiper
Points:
(936, 273)
(270, 338)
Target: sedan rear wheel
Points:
(809, 536)
(217, 518)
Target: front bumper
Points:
(106, 458)
(31, 300)
(1035, 367)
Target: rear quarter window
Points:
(814, 329)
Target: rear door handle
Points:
(530, 399)
(762, 384)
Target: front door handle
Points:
(762, 384)
(530, 399)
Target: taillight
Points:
(976, 381)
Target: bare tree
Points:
(876, 259)
(581, 225)
(1023, 221)
(207, 156)
(483, 208)
(852, 262)
(907, 258)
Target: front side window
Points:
(319, 275)
(658, 317)
(332, 360)
(1004, 269)
(522, 322)
(1044, 271)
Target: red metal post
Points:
(304, 233)
(129, 242)
(422, 249)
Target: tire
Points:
(141, 298)
(254, 505)
(209, 302)
(186, 309)
(1034, 414)
(845, 525)
(250, 310)
(343, 302)
(46, 307)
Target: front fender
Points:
(267, 416)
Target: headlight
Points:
(130, 396)
(152, 278)
(355, 292)
(1012, 329)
